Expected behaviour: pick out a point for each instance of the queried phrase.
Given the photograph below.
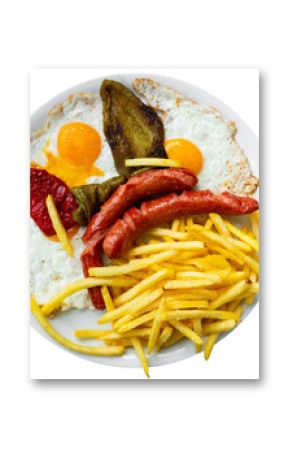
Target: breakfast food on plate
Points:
(122, 219)
(132, 128)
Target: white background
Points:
(220, 414)
(235, 357)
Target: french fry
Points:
(175, 305)
(186, 314)
(163, 337)
(137, 321)
(152, 162)
(239, 310)
(193, 295)
(229, 294)
(107, 298)
(58, 226)
(137, 304)
(141, 354)
(175, 338)
(91, 333)
(252, 277)
(227, 254)
(187, 332)
(208, 224)
(254, 219)
(92, 350)
(250, 299)
(57, 301)
(163, 232)
(197, 328)
(234, 278)
(194, 275)
(219, 224)
(142, 332)
(218, 327)
(231, 306)
(163, 246)
(242, 236)
(171, 285)
(211, 261)
(145, 284)
(209, 344)
(251, 262)
(175, 225)
(155, 330)
(125, 342)
(133, 265)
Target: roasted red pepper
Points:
(43, 183)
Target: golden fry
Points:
(107, 298)
(209, 344)
(186, 314)
(163, 232)
(172, 285)
(242, 236)
(58, 226)
(175, 305)
(141, 354)
(163, 246)
(152, 162)
(219, 224)
(229, 294)
(92, 350)
(187, 332)
(57, 301)
(163, 337)
(219, 326)
(137, 322)
(133, 265)
(153, 337)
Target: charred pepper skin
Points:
(132, 128)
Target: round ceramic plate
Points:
(67, 322)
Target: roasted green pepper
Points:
(89, 198)
(132, 128)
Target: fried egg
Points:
(201, 139)
(72, 146)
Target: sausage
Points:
(92, 257)
(166, 208)
(138, 187)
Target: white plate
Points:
(67, 322)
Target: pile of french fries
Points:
(188, 279)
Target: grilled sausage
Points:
(166, 208)
(92, 257)
(138, 187)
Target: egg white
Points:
(51, 268)
(226, 167)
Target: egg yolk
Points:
(78, 147)
(78, 143)
(186, 152)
